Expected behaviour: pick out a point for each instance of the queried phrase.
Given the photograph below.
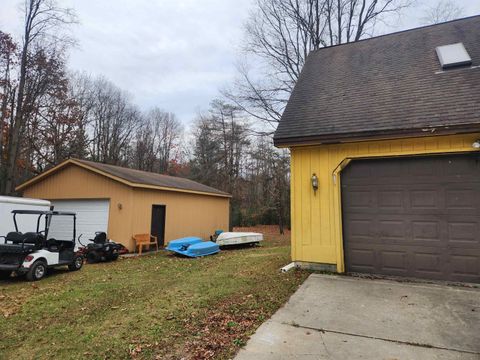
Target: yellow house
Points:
(124, 202)
(384, 135)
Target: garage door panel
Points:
(463, 231)
(425, 199)
(428, 263)
(423, 222)
(461, 199)
(391, 229)
(391, 199)
(464, 267)
(362, 259)
(423, 170)
(360, 228)
(360, 198)
(394, 262)
(92, 216)
(415, 230)
(426, 231)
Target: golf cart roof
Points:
(40, 212)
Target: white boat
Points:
(238, 238)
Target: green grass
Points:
(157, 306)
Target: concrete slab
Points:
(336, 317)
(275, 341)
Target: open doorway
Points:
(158, 223)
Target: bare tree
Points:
(42, 23)
(281, 33)
(444, 10)
(156, 141)
(167, 129)
(9, 56)
(143, 154)
(55, 129)
(267, 197)
(221, 150)
(205, 159)
(114, 120)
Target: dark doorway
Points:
(158, 223)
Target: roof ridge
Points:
(132, 169)
(103, 167)
(394, 33)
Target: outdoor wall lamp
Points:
(476, 144)
(314, 182)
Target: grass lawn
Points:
(156, 306)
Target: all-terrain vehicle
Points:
(32, 253)
(101, 249)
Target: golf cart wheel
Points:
(93, 257)
(4, 275)
(76, 264)
(37, 271)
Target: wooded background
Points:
(49, 113)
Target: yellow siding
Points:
(186, 214)
(316, 218)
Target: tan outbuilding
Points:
(124, 202)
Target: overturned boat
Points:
(238, 238)
(193, 247)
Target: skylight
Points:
(453, 55)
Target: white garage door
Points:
(92, 216)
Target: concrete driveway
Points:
(336, 317)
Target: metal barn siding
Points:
(130, 209)
(186, 214)
(317, 217)
(73, 182)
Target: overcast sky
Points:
(174, 54)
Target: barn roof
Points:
(387, 86)
(133, 178)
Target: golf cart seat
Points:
(52, 245)
(16, 242)
(55, 245)
(27, 238)
(14, 237)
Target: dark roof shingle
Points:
(149, 178)
(391, 84)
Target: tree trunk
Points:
(17, 125)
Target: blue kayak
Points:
(193, 247)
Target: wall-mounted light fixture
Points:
(314, 182)
(120, 206)
(476, 144)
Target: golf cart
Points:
(32, 253)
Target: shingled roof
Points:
(134, 178)
(384, 87)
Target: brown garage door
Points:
(416, 217)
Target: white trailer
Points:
(26, 223)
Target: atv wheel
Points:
(93, 257)
(76, 264)
(37, 271)
(112, 257)
(4, 275)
